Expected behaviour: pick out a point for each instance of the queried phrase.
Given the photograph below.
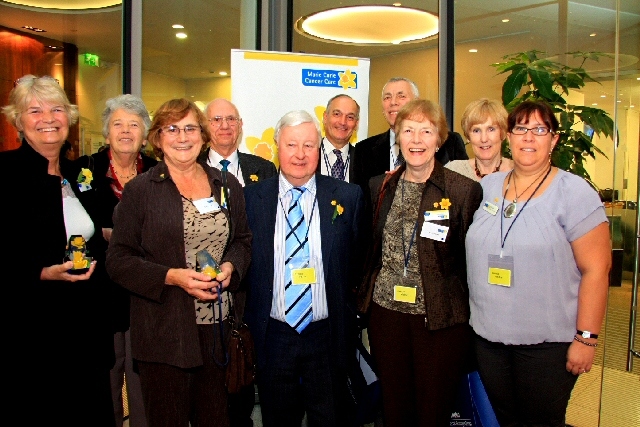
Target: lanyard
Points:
(407, 254)
(504, 239)
(286, 218)
(326, 162)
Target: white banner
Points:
(267, 85)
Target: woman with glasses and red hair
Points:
(165, 217)
(538, 259)
(58, 340)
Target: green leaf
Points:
(541, 79)
(512, 86)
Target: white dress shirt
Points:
(318, 292)
(328, 158)
(234, 165)
(394, 150)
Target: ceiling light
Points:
(181, 35)
(473, 50)
(67, 5)
(603, 96)
(397, 4)
(631, 106)
(619, 100)
(595, 103)
(369, 25)
(505, 20)
(177, 26)
(223, 73)
(592, 35)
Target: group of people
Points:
(452, 264)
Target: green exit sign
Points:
(91, 59)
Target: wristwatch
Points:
(586, 334)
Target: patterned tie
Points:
(225, 165)
(224, 196)
(400, 158)
(297, 298)
(337, 170)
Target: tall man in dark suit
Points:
(380, 153)
(305, 230)
(340, 120)
(225, 126)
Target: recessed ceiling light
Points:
(592, 35)
(619, 100)
(223, 73)
(603, 96)
(181, 35)
(397, 4)
(353, 24)
(176, 26)
(505, 20)
(631, 106)
(595, 103)
(473, 50)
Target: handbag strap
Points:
(220, 328)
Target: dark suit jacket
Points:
(255, 165)
(372, 156)
(352, 156)
(339, 241)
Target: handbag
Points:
(241, 368)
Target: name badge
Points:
(206, 205)
(500, 271)
(83, 187)
(404, 294)
(436, 215)
(303, 276)
(490, 207)
(434, 231)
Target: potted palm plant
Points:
(534, 77)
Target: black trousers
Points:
(176, 397)
(419, 370)
(298, 378)
(527, 385)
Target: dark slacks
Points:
(527, 385)
(419, 370)
(176, 397)
(298, 377)
(124, 365)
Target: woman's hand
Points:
(580, 358)
(198, 285)
(61, 272)
(224, 277)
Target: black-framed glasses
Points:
(231, 120)
(174, 131)
(537, 131)
(28, 79)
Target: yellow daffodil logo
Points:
(337, 211)
(264, 146)
(253, 178)
(347, 80)
(444, 204)
(85, 176)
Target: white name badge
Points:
(434, 231)
(490, 207)
(83, 187)
(206, 205)
(436, 215)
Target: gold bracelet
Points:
(584, 342)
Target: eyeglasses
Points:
(537, 131)
(30, 78)
(174, 131)
(231, 120)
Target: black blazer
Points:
(256, 166)
(352, 156)
(339, 243)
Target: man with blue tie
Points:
(299, 308)
(340, 120)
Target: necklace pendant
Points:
(510, 210)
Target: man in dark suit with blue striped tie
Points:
(305, 231)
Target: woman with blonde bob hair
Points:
(415, 290)
(484, 123)
(62, 317)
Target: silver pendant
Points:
(510, 210)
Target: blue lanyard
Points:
(286, 218)
(326, 163)
(407, 254)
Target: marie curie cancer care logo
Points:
(346, 79)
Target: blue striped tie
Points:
(297, 298)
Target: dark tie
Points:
(337, 170)
(297, 298)
(225, 165)
(400, 158)
(225, 191)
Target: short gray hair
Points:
(129, 103)
(344, 95)
(414, 87)
(295, 118)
